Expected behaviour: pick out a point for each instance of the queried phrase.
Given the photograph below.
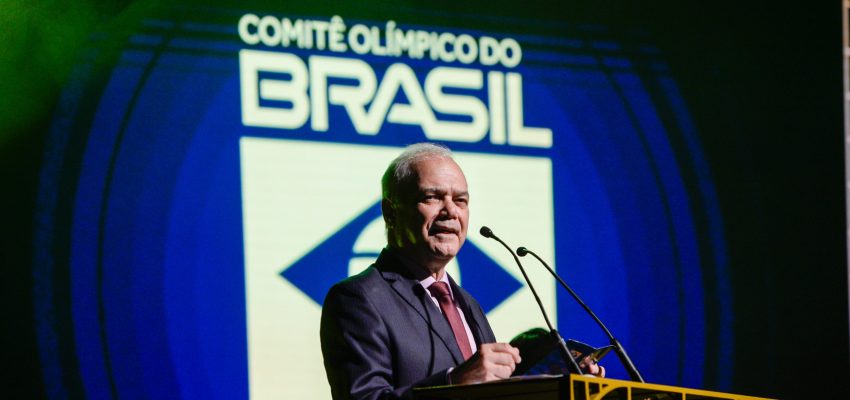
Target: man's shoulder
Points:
(372, 281)
(385, 268)
(374, 284)
(367, 277)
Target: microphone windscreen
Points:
(486, 232)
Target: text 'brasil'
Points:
(283, 90)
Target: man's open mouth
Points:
(436, 230)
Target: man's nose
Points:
(451, 209)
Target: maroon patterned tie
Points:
(440, 290)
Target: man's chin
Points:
(445, 251)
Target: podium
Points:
(572, 387)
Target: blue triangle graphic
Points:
(327, 264)
(483, 278)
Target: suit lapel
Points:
(414, 295)
(475, 319)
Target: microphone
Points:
(562, 345)
(618, 347)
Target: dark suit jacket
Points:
(382, 335)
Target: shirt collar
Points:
(428, 280)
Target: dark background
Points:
(763, 84)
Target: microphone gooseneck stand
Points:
(562, 345)
(618, 347)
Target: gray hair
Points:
(400, 171)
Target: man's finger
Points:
(500, 372)
(500, 358)
(507, 348)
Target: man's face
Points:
(432, 213)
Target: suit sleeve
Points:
(357, 350)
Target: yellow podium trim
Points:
(593, 388)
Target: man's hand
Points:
(492, 361)
(589, 366)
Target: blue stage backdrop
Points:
(209, 181)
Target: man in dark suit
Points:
(403, 322)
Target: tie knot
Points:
(440, 290)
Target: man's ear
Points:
(388, 212)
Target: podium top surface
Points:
(548, 387)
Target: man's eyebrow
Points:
(465, 193)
